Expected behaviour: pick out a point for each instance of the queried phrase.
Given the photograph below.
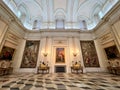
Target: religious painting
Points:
(112, 52)
(7, 53)
(89, 54)
(60, 55)
(30, 54)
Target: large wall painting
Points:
(89, 53)
(6, 53)
(112, 52)
(30, 54)
(60, 55)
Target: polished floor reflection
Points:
(60, 81)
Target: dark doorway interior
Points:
(60, 69)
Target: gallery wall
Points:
(11, 34)
(107, 35)
(69, 41)
(15, 36)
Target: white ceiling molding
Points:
(60, 14)
(71, 11)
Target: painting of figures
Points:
(60, 55)
(30, 54)
(89, 54)
(112, 52)
(6, 53)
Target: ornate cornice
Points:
(8, 16)
(107, 17)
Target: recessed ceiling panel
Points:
(60, 4)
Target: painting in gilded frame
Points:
(7, 53)
(30, 54)
(60, 55)
(89, 54)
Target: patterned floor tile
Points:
(60, 81)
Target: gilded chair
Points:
(76, 68)
(43, 68)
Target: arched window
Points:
(83, 25)
(60, 24)
(36, 25)
(96, 18)
(22, 17)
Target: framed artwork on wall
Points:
(89, 54)
(112, 52)
(60, 55)
(6, 53)
(30, 54)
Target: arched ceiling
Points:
(44, 13)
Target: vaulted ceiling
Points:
(75, 14)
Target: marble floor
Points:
(60, 81)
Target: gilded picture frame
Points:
(7, 53)
(30, 54)
(89, 54)
(60, 55)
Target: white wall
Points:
(116, 31)
(13, 35)
(66, 37)
(106, 35)
(3, 29)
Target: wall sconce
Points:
(74, 54)
(45, 54)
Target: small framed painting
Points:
(60, 55)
